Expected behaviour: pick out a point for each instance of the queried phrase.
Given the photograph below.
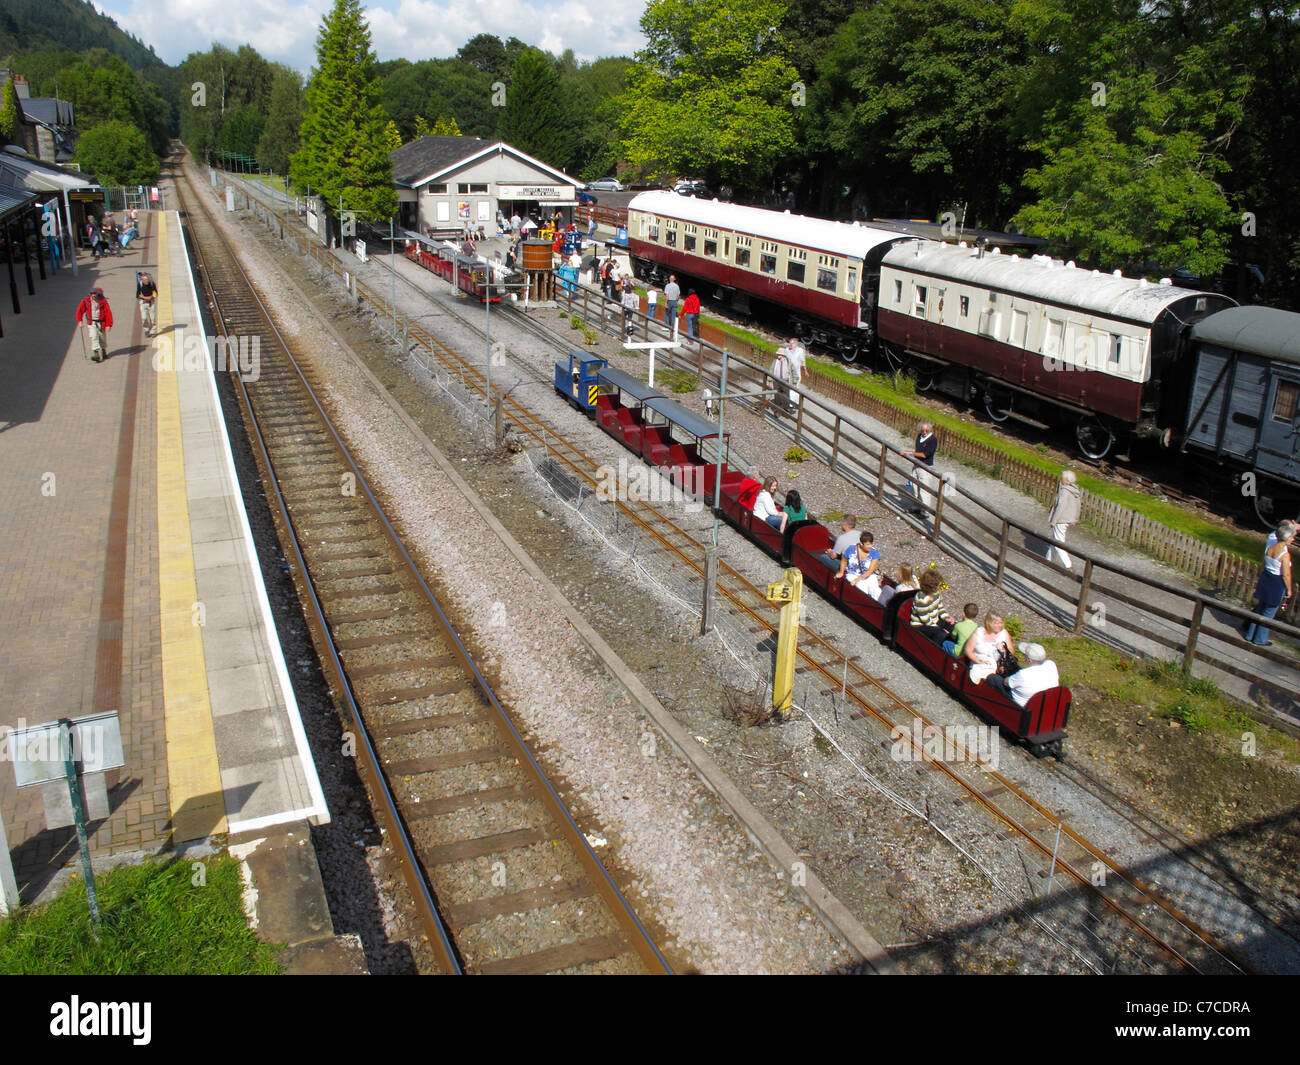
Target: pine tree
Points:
(421, 127)
(536, 117)
(345, 141)
(446, 126)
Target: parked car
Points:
(693, 188)
(606, 184)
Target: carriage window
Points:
(1286, 401)
(918, 300)
(670, 238)
(1116, 349)
(689, 244)
(710, 247)
(965, 306)
(742, 256)
(826, 280)
(794, 271)
(851, 282)
(767, 263)
(726, 247)
(654, 232)
(1052, 339)
(1019, 326)
(898, 292)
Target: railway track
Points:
(1131, 924)
(503, 878)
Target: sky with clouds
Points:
(285, 30)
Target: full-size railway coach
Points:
(822, 274)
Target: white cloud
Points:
(285, 30)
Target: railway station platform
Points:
(130, 579)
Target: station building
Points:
(450, 182)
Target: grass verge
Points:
(156, 920)
(1152, 689)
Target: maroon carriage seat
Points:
(655, 442)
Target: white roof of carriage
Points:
(819, 234)
(1040, 277)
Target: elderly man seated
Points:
(1038, 675)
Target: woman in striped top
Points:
(927, 609)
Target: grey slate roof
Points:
(1257, 330)
(428, 155)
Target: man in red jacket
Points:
(98, 316)
(691, 312)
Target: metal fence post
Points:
(9, 898)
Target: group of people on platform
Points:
(987, 646)
(105, 237)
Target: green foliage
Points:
(1014, 626)
(116, 153)
(710, 94)
(279, 138)
(1131, 116)
(155, 921)
(70, 26)
(575, 321)
(9, 114)
(679, 381)
(448, 87)
(242, 131)
(795, 453)
(536, 118)
(219, 84)
(445, 126)
(910, 104)
(344, 136)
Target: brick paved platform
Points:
(128, 579)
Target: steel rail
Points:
(638, 938)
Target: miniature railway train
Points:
(472, 275)
(669, 436)
(1117, 358)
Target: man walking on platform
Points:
(926, 444)
(98, 316)
(147, 293)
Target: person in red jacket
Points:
(691, 312)
(98, 316)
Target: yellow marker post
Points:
(789, 593)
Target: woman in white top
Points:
(1274, 587)
(765, 506)
(983, 646)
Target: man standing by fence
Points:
(922, 479)
(1064, 513)
(672, 293)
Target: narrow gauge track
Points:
(1129, 920)
(1149, 930)
(504, 879)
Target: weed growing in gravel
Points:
(1014, 626)
(575, 321)
(795, 453)
(680, 381)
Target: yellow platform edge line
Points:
(193, 772)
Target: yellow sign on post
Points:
(788, 593)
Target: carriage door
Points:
(1278, 439)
